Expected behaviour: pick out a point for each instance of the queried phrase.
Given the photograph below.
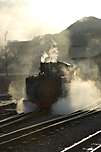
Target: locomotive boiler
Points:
(47, 87)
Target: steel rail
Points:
(10, 118)
(97, 148)
(22, 117)
(83, 142)
(6, 115)
(26, 131)
(15, 118)
(19, 117)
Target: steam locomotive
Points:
(48, 86)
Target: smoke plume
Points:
(51, 56)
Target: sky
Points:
(25, 19)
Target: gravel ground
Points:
(57, 139)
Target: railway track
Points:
(7, 113)
(15, 119)
(17, 134)
(91, 143)
(22, 117)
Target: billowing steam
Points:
(88, 70)
(17, 89)
(51, 56)
(18, 85)
(83, 91)
(84, 94)
(81, 95)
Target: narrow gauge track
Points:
(10, 118)
(91, 143)
(15, 118)
(16, 122)
(23, 117)
(35, 128)
(7, 113)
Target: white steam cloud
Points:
(51, 56)
(88, 70)
(81, 95)
(83, 92)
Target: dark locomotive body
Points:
(45, 88)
